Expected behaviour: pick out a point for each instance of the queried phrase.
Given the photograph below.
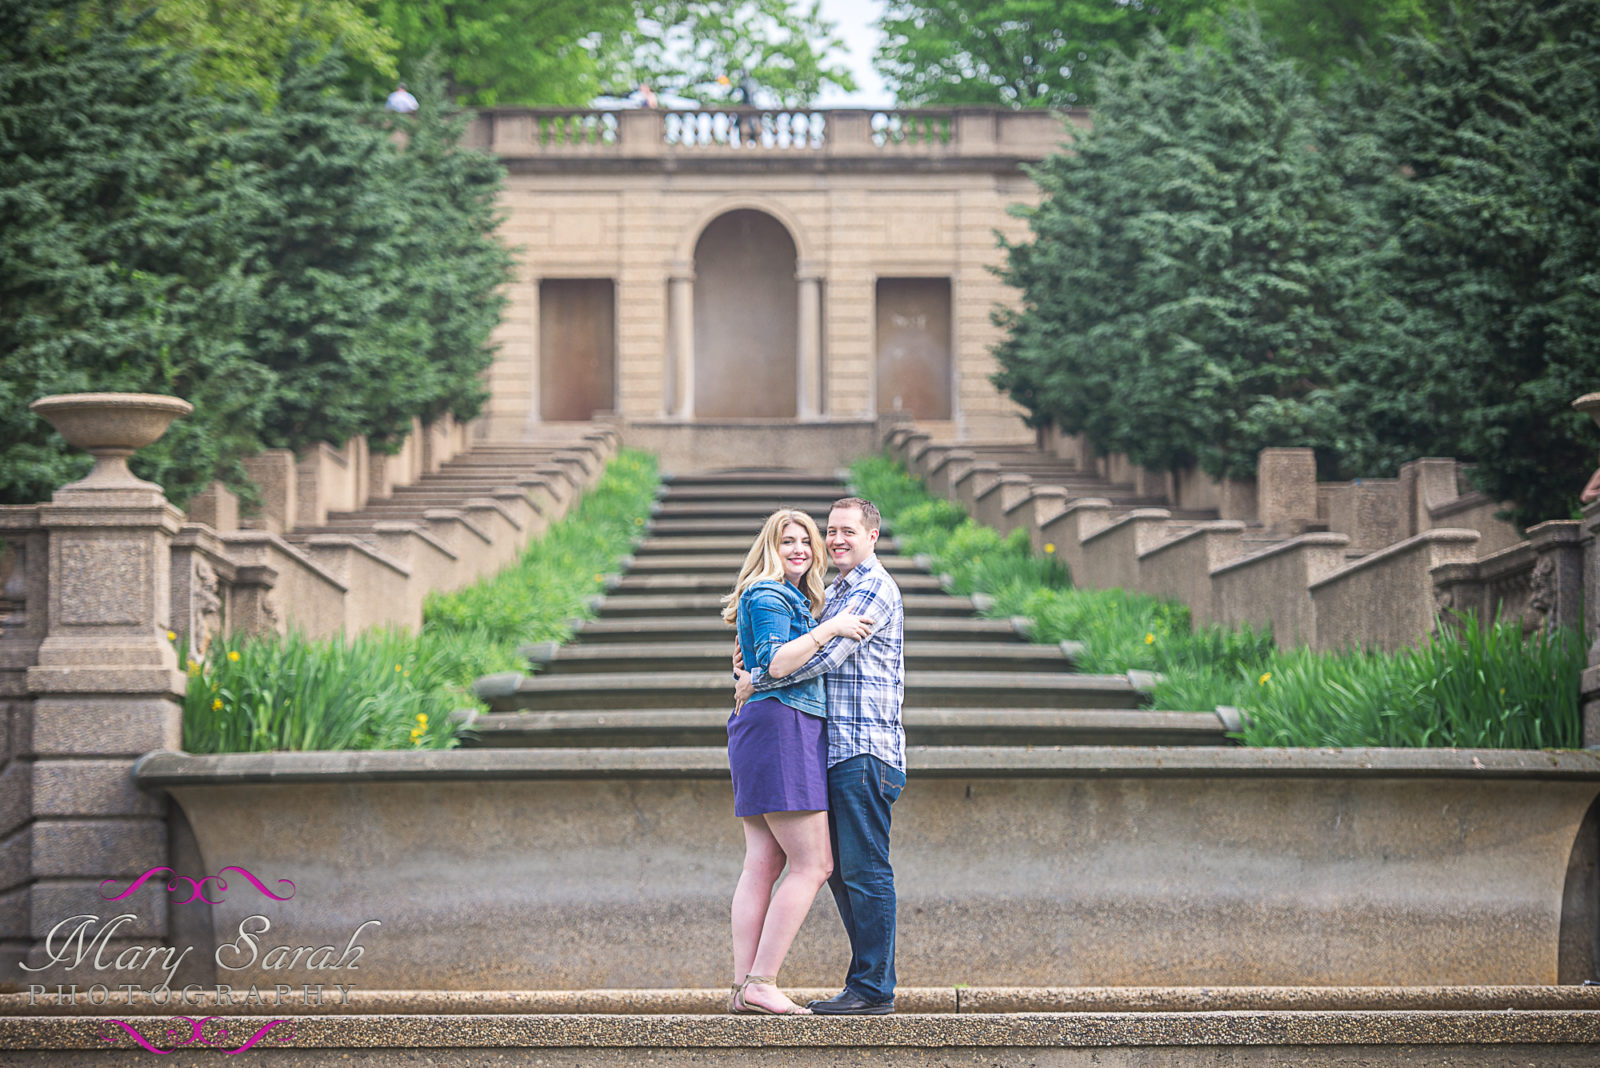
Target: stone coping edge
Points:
(935, 1031)
(164, 768)
(908, 1001)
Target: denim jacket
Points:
(771, 613)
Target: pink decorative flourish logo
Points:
(196, 1034)
(197, 887)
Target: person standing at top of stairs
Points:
(865, 685)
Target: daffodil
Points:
(422, 718)
(233, 656)
(1050, 547)
(216, 706)
(172, 635)
(1264, 679)
(1149, 639)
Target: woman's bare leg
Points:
(803, 838)
(763, 863)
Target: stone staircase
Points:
(1047, 469)
(652, 669)
(545, 471)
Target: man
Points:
(401, 101)
(865, 683)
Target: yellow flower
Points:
(416, 737)
(216, 706)
(422, 718)
(172, 635)
(1502, 691)
(397, 667)
(233, 656)
(193, 663)
(638, 521)
(1149, 639)
(599, 578)
(1049, 546)
(405, 674)
(1264, 679)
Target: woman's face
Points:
(796, 550)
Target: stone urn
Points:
(1589, 404)
(111, 427)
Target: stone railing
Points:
(976, 133)
(1325, 565)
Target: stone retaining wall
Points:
(573, 869)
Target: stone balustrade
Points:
(979, 134)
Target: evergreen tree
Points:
(455, 267)
(1496, 203)
(120, 248)
(339, 324)
(1196, 263)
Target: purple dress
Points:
(779, 758)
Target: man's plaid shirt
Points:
(865, 680)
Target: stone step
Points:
(681, 585)
(743, 511)
(755, 492)
(587, 658)
(729, 544)
(613, 606)
(658, 727)
(707, 627)
(728, 564)
(747, 477)
(512, 691)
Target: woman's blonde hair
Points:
(764, 561)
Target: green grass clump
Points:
(382, 690)
(389, 688)
(535, 599)
(1470, 686)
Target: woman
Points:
(778, 751)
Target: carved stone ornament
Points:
(1541, 596)
(205, 607)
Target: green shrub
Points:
(392, 689)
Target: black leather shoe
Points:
(849, 1003)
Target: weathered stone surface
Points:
(1243, 1038)
(90, 788)
(63, 848)
(104, 726)
(1082, 866)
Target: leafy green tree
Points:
(242, 44)
(538, 52)
(1196, 265)
(1016, 53)
(1496, 205)
(121, 247)
(1044, 53)
(701, 47)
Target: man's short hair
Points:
(869, 511)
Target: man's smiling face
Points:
(849, 540)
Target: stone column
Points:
(810, 345)
(1589, 690)
(106, 685)
(681, 318)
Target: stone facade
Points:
(836, 266)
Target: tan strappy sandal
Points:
(762, 1010)
(735, 1006)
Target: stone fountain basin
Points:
(1126, 866)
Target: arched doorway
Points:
(746, 319)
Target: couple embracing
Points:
(817, 752)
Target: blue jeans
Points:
(860, 792)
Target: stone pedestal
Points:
(106, 687)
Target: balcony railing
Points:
(523, 133)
